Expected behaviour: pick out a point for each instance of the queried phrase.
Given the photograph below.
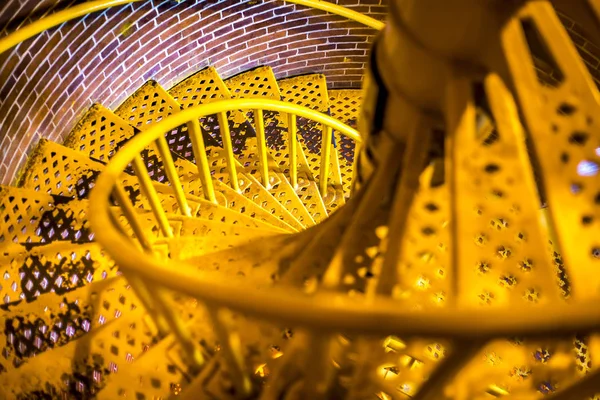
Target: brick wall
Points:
(49, 80)
(589, 52)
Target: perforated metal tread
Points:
(150, 104)
(83, 138)
(206, 86)
(117, 332)
(252, 188)
(57, 267)
(55, 319)
(261, 83)
(344, 105)
(99, 134)
(31, 218)
(61, 171)
(279, 185)
(311, 91)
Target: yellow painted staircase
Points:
(73, 326)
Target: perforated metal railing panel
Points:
(344, 104)
(261, 83)
(311, 91)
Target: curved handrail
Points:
(325, 311)
(342, 11)
(80, 10)
(56, 19)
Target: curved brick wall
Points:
(48, 81)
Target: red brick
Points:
(345, 39)
(246, 37)
(89, 57)
(304, 50)
(329, 33)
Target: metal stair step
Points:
(74, 326)
(58, 170)
(57, 267)
(35, 219)
(32, 218)
(80, 367)
(115, 132)
(32, 329)
(162, 371)
(206, 86)
(311, 91)
(261, 83)
(158, 104)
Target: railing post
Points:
(259, 121)
(325, 157)
(357, 147)
(229, 156)
(131, 216)
(293, 148)
(169, 166)
(231, 348)
(201, 160)
(150, 191)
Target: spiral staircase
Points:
(72, 320)
(201, 242)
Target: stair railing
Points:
(318, 311)
(109, 189)
(322, 314)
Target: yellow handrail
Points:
(39, 26)
(326, 311)
(221, 108)
(342, 11)
(22, 34)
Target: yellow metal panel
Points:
(424, 263)
(118, 334)
(59, 170)
(58, 267)
(261, 83)
(562, 123)
(99, 133)
(30, 217)
(251, 188)
(501, 256)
